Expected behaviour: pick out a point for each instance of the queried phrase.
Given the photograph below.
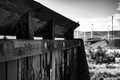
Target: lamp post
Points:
(108, 32)
(92, 31)
(78, 33)
(84, 35)
(112, 27)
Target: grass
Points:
(102, 70)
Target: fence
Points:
(43, 60)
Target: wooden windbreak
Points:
(42, 60)
(47, 59)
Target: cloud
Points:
(118, 6)
(116, 16)
(99, 24)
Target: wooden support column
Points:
(49, 31)
(69, 35)
(49, 34)
(24, 30)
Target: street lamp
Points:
(108, 32)
(92, 31)
(112, 27)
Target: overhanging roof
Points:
(18, 7)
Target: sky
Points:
(88, 12)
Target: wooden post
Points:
(49, 34)
(112, 29)
(69, 35)
(49, 31)
(24, 30)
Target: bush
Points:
(101, 57)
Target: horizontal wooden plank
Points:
(16, 49)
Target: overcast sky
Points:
(87, 11)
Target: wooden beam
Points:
(23, 48)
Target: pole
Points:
(84, 35)
(112, 27)
(78, 33)
(108, 32)
(92, 31)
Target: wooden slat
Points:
(3, 74)
(48, 65)
(36, 67)
(19, 69)
(29, 68)
(57, 66)
(12, 70)
(68, 63)
(65, 64)
(52, 73)
(71, 74)
(62, 65)
(24, 67)
(55, 69)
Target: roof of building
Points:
(11, 10)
